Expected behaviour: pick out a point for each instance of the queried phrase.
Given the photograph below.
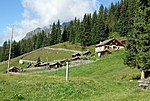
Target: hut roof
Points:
(107, 41)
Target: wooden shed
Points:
(13, 69)
(44, 64)
(76, 55)
(86, 53)
(74, 59)
(55, 65)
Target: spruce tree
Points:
(58, 32)
(71, 32)
(5, 51)
(138, 42)
(85, 31)
(53, 35)
(94, 28)
(78, 32)
(64, 37)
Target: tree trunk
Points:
(142, 75)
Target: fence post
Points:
(67, 70)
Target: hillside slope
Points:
(106, 79)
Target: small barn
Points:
(104, 52)
(76, 55)
(55, 65)
(86, 53)
(74, 59)
(13, 69)
(111, 44)
(44, 64)
(62, 61)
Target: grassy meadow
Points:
(106, 79)
(47, 55)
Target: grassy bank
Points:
(107, 79)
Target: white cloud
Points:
(39, 13)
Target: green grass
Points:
(47, 55)
(71, 46)
(107, 79)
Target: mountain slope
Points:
(46, 29)
(106, 79)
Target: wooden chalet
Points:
(76, 55)
(111, 44)
(13, 69)
(104, 52)
(74, 59)
(62, 61)
(42, 64)
(86, 53)
(55, 65)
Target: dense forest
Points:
(95, 27)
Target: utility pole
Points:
(67, 70)
(11, 38)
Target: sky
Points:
(26, 15)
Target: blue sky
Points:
(10, 11)
(29, 14)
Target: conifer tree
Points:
(5, 51)
(85, 31)
(64, 37)
(71, 32)
(53, 35)
(138, 43)
(15, 49)
(58, 32)
(77, 32)
(94, 28)
(123, 19)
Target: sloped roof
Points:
(106, 41)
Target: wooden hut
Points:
(55, 65)
(74, 59)
(45, 64)
(86, 53)
(13, 69)
(62, 61)
(76, 55)
(111, 44)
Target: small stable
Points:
(55, 65)
(74, 59)
(13, 69)
(76, 55)
(41, 65)
(86, 53)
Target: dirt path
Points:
(63, 49)
(72, 64)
